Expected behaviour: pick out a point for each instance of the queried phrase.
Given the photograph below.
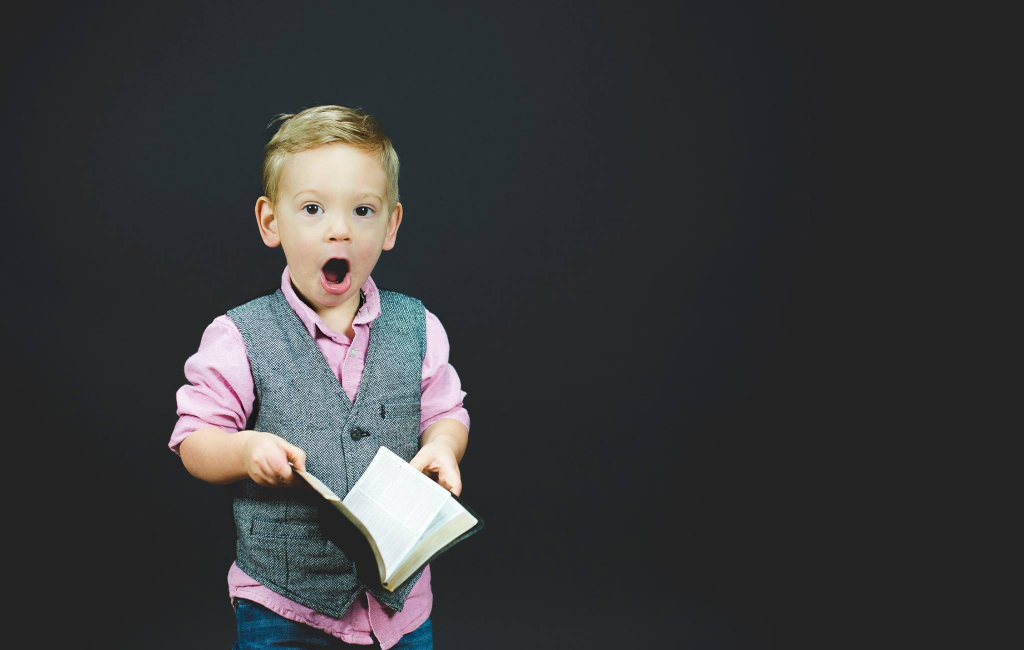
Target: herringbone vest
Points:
(298, 397)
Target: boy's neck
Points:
(338, 318)
(341, 321)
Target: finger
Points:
(264, 474)
(273, 477)
(297, 456)
(287, 481)
(263, 471)
(277, 461)
(267, 476)
(275, 472)
(456, 486)
(266, 480)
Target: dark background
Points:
(624, 214)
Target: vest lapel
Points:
(314, 356)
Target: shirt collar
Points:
(312, 320)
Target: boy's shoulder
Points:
(398, 297)
(406, 312)
(402, 307)
(258, 307)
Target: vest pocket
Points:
(297, 557)
(268, 557)
(401, 427)
(318, 557)
(268, 529)
(398, 411)
(270, 546)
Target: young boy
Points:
(321, 373)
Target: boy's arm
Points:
(219, 389)
(442, 446)
(216, 456)
(444, 421)
(213, 408)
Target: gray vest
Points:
(298, 397)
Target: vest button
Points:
(358, 433)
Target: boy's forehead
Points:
(333, 165)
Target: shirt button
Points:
(352, 352)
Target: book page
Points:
(452, 521)
(450, 510)
(396, 503)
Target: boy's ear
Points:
(394, 221)
(267, 222)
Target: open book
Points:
(407, 518)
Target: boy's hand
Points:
(437, 460)
(265, 457)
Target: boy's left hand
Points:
(437, 460)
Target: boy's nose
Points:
(337, 229)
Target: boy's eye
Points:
(364, 210)
(311, 205)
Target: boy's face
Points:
(330, 205)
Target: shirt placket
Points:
(350, 363)
(380, 622)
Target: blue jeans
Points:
(259, 629)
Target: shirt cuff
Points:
(186, 426)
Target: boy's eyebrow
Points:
(364, 193)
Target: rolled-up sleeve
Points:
(220, 391)
(441, 393)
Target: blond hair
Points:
(320, 125)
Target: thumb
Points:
(451, 480)
(277, 458)
(296, 455)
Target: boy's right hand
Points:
(265, 458)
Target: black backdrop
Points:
(619, 211)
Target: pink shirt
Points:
(221, 394)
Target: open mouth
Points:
(335, 270)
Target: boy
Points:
(296, 376)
